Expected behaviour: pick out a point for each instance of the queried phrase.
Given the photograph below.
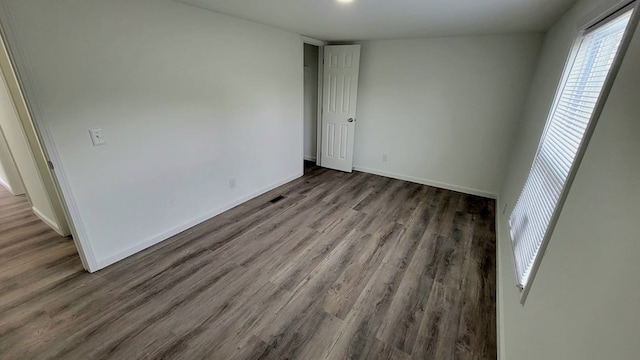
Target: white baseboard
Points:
(10, 189)
(310, 158)
(102, 263)
(6, 186)
(52, 224)
(416, 180)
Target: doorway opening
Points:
(31, 207)
(24, 170)
(311, 102)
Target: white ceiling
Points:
(389, 19)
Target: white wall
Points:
(443, 109)
(585, 298)
(310, 101)
(9, 176)
(4, 155)
(187, 99)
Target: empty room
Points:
(319, 179)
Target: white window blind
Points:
(563, 138)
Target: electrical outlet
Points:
(96, 137)
(385, 157)
(232, 183)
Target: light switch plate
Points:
(96, 137)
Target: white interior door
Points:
(340, 80)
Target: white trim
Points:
(320, 105)
(102, 263)
(320, 44)
(302, 102)
(50, 223)
(31, 139)
(601, 12)
(31, 97)
(312, 41)
(438, 184)
(310, 158)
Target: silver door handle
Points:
(351, 120)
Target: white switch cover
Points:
(96, 137)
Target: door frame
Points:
(320, 44)
(30, 114)
(29, 137)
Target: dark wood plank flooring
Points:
(344, 266)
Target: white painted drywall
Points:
(187, 99)
(310, 101)
(4, 180)
(9, 176)
(443, 109)
(585, 298)
(23, 158)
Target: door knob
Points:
(350, 120)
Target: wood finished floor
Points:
(345, 266)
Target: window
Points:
(579, 100)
